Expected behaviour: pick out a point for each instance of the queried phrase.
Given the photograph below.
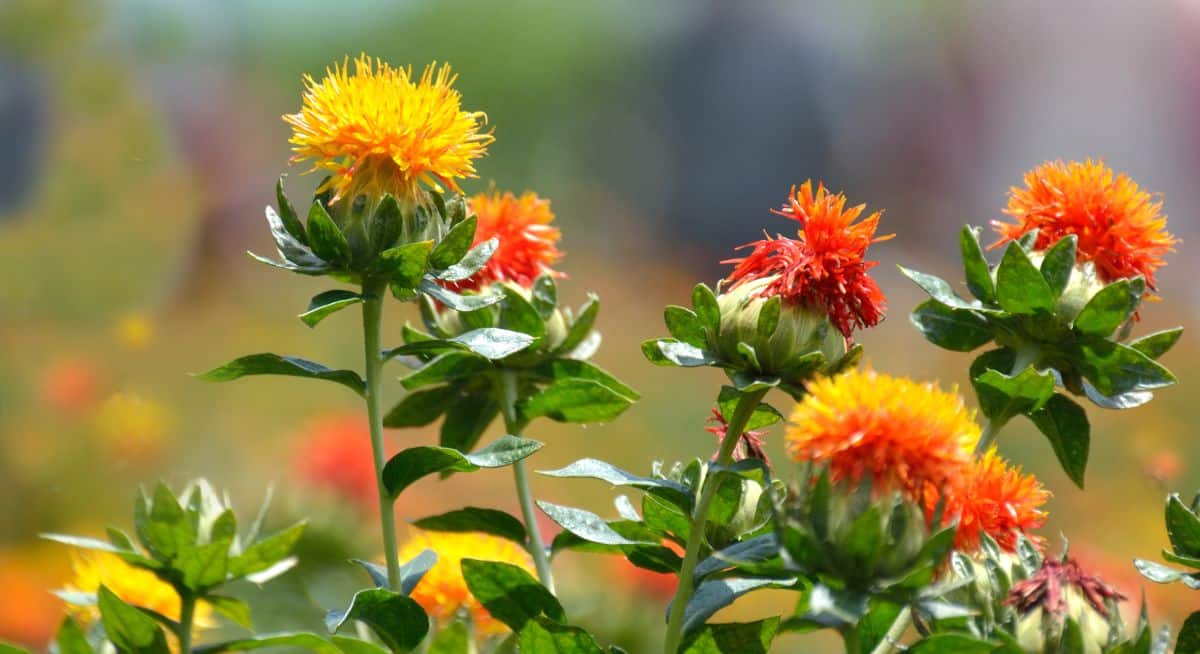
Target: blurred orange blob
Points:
(132, 428)
(71, 386)
(334, 456)
(31, 613)
(135, 586)
(1163, 467)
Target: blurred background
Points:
(142, 139)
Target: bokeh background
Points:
(141, 140)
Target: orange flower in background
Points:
(528, 244)
(71, 386)
(334, 455)
(900, 433)
(994, 498)
(92, 569)
(1119, 226)
(443, 592)
(380, 131)
(31, 613)
(826, 268)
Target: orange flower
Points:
(528, 244)
(1119, 226)
(377, 131)
(900, 433)
(443, 592)
(826, 268)
(31, 613)
(994, 498)
(71, 386)
(335, 456)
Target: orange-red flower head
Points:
(900, 433)
(994, 498)
(335, 456)
(379, 130)
(826, 266)
(528, 243)
(1120, 227)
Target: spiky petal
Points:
(1048, 588)
(991, 497)
(528, 243)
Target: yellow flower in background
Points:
(379, 131)
(134, 330)
(132, 428)
(134, 586)
(443, 592)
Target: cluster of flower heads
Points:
(825, 266)
(919, 440)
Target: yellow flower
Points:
(377, 131)
(901, 433)
(134, 586)
(443, 592)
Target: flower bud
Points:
(801, 330)
(454, 323)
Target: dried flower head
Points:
(378, 130)
(1051, 588)
(900, 433)
(528, 243)
(749, 447)
(825, 267)
(991, 497)
(1120, 227)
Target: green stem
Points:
(891, 640)
(535, 544)
(187, 615)
(687, 587)
(372, 317)
(1026, 356)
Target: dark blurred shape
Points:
(22, 131)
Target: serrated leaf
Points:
(959, 330)
(325, 237)
(328, 303)
(975, 266)
(454, 245)
(131, 630)
(586, 525)
(509, 593)
(476, 519)
(397, 620)
(1066, 426)
(267, 363)
(1020, 287)
(1107, 310)
(1058, 264)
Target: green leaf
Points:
(1114, 368)
(1003, 396)
(1065, 424)
(397, 620)
(873, 627)
(294, 251)
(421, 407)
(542, 635)
(574, 400)
(273, 364)
(666, 517)
(510, 593)
(752, 550)
(729, 637)
(328, 303)
(1183, 528)
(455, 301)
(451, 639)
(467, 419)
(232, 608)
(131, 630)
(166, 530)
(287, 215)
(454, 245)
(938, 289)
(385, 225)
(576, 369)
(1058, 264)
(475, 519)
(597, 469)
(70, 639)
(764, 414)
(203, 566)
(951, 644)
(1020, 287)
(714, 595)
(586, 525)
(266, 552)
(311, 642)
(960, 330)
(517, 313)
(582, 326)
(416, 462)
(670, 352)
(1189, 634)
(494, 343)
(405, 264)
(707, 309)
(979, 274)
(471, 263)
(1072, 637)
(414, 570)
(325, 237)
(768, 318)
(448, 366)
(1107, 310)
(544, 296)
(684, 325)
(1157, 572)
(1155, 345)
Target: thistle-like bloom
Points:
(991, 497)
(379, 131)
(443, 592)
(335, 456)
(826, 267)
(135, 586)
(1120, 227)
(900, 433)
(528, 243)
(749, 447)
(1054, 586)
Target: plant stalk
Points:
(1026, 356)
(187, 615)
(534, 542)
(891, 640)
(687, 587)
(372, 317)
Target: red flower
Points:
(1048, 587)
(751, 445)
(528, 244)
(825, 267)
(335, 456)
(993, 498)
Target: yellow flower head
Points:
(135, 586)
(899, 432)
(443, 592)
(379, 131)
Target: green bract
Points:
(759, 342)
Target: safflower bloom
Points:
(443, 592)
(900, 433)
(825, 267)
(133, 585)
(380, 131)
(335, 456)
(528, 243)
(1058, 585)
(1120, 227)
(991, 497)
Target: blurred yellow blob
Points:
(132, 428)
(135, 330)
(135, 586)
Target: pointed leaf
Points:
(938, 289)
(1065, 425)
(1183, 528)
(582, 326)
(670, 352)
(326, 237)
(405, 264)
(476, 519)
(684, 325)
(740, 637)
(416, 462)
(267, 363)
(471, 263)
(448, 366)
(327, 303)
(1003, 396)
(1155, 345)
(1114, 368)
(1058, 264)
(131, 630)
(1020, 287)
(509, 593)
(586, 525)
(287, 215)
(543, 635)
(960, 330)
(979, 274)
(454, 300)
(494, 343)
(266, 552)
(574, 400)
(712, 596)
(1107, 310)
(397, 620)
(454, 245)
(597, 469)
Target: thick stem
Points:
(891, 640)
(187, 615)
(534, 543)
(372, 317)
(686, 587)
(1026, 356)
